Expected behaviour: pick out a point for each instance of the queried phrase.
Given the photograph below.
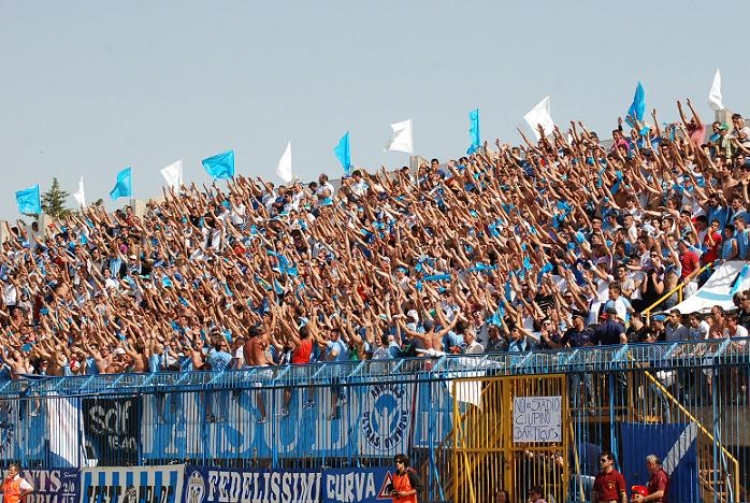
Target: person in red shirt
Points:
(712, 243)
(15, 488)
(609, 484)
(405, 484)
(301, 355)
(689, 261)
(658, 483)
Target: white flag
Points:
(284, 169)
(714, 95)
(173, 174)
(402, 140)
(539, 115)
(80, 195)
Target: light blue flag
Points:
(220, 166)
(638, 108)
(124, 185)
(28, 200)
(343, 154)
(474, 131)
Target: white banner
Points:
(537, 419)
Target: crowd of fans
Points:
(562, 242)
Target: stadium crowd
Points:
(555, 243)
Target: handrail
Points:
(682, 354)
(700, 427)
(680, 286)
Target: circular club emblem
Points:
(386, 416)
(196, 488)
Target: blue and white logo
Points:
(385, 417)
(196, 488)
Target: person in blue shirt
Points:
(716, 209)
(518, 341)
(737, 209)
(742, 237)
(219, 358)
(337, 351)
(729, 244)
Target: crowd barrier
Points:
(471, 426)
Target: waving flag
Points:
(173, 174)
(714, 95)
(284, 169)
(220, 166)
(402, 140)
(80, 195)
(540, 116)
(474, 131)
(123, 186)
(343, 154)
(29, 201)
(638, 108)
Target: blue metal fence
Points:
(686, 402)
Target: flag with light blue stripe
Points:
(638, 107)
(220, 166)
(29, 200)
(123, 185)
(476, 141)
(343, 154)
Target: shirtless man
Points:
(431, 339)
(255, 355)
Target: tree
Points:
(53, 201)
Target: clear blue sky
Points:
(89, 87)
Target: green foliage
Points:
(53, 201)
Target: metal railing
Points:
(339, 415)
(678, 289)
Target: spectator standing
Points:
(658, 482)
(611, 332)
(609, 484)
(674, 329)
(405, 484)
(15, 488)
(472, 346)
(740, 132)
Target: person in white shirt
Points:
(472, 346)
(298, 193)
(325, 189)
(734, 330)
(238, 211)
(740, 133)
(359, 186)
(620, 303)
